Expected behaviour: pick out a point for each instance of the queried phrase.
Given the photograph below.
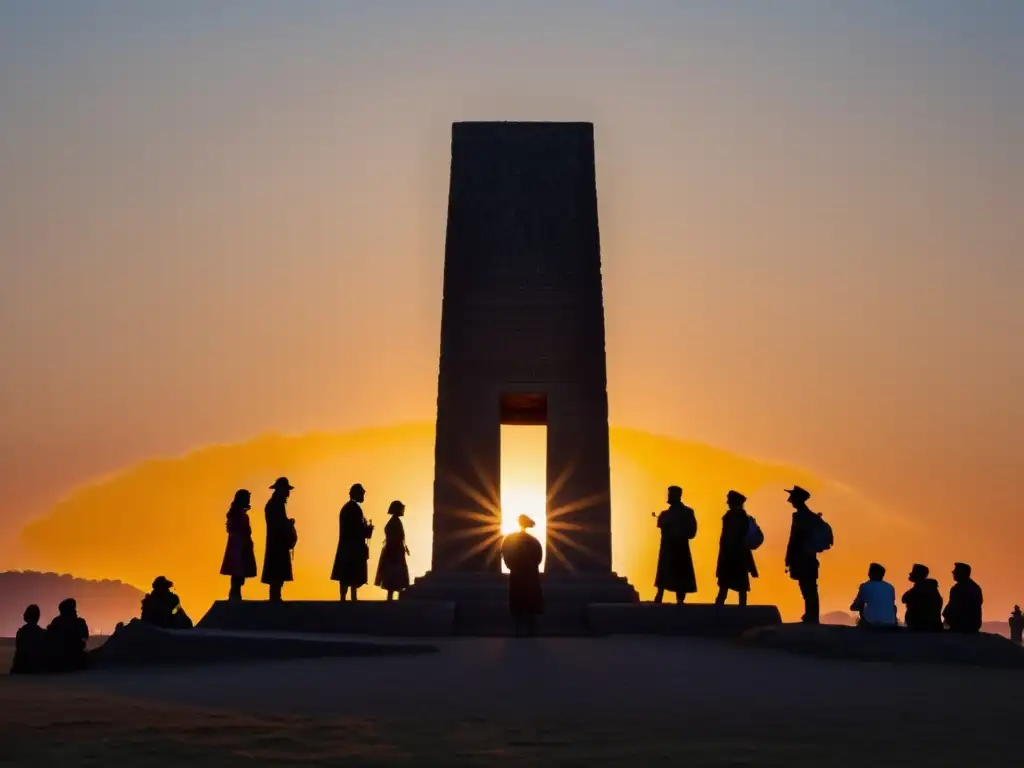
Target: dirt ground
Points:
(503, 701)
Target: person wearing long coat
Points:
(735, 560)
(350, 559)
(281, 539)
(239, 555)
(392, 568)
(522, 554)
(678, 526)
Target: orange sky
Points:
(811, 228)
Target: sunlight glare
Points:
(524, 480)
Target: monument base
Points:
(368, 617)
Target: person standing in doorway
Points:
(809, 535)
(522, 554)
(350, 560)
(735, 560)
(678, 525)
(281, 539)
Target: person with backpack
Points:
(809, 536)
(740, 535)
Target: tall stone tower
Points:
(522, 342)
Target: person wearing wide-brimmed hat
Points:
(281, 539)
(735, 560)
(392, 568)
(523, 554)
(162, 608)
(239, 555)
(351, 569)
(802, 552)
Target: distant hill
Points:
(101, 603)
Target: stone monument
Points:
(522, 342)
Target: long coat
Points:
(392, 568)
(522, 554)
(350, 558)
(277, 557)
(675, 573)
(239, 554)
(735, 560)
(801, 560)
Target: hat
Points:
(396, 508)
(282, 482)
(798, 493)
(526, 522)
(919, 571)
(162, 581)
(735, 497)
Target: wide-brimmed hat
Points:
(162, 581)
(798, 493)
(282, 483)
(525, 521)
(396, 508)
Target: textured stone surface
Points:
(901, 646)
(401, 619)
(136, 644)
(522, 313)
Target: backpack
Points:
(820, 537)
(755, 536)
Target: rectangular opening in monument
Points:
(524, 458)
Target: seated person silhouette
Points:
(66, 638)
(522, 554)
(876, 600)
(1017, 625)
(162, 608)
(923, 601)
(963, 612)
(30, 646)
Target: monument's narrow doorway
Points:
(523, 475)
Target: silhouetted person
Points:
(678, 525)
(522, 554)
(876, 600)
(350, 560)
(392, 568)
(281, 539)
(1017, 625)
(809, 536)
(239, 555)
(963, 611)
(923, 601)
(30, 645)
(66, 638)
(162, 608)
(735, 560)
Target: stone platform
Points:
(138, 644)
(371, 617)
(898, 646)
(687, 620)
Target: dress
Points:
(239, 554)
(392, 568)
(350, 559)
(522, 554)
(675, 572)
(735, 560)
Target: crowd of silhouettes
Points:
(351, 557)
